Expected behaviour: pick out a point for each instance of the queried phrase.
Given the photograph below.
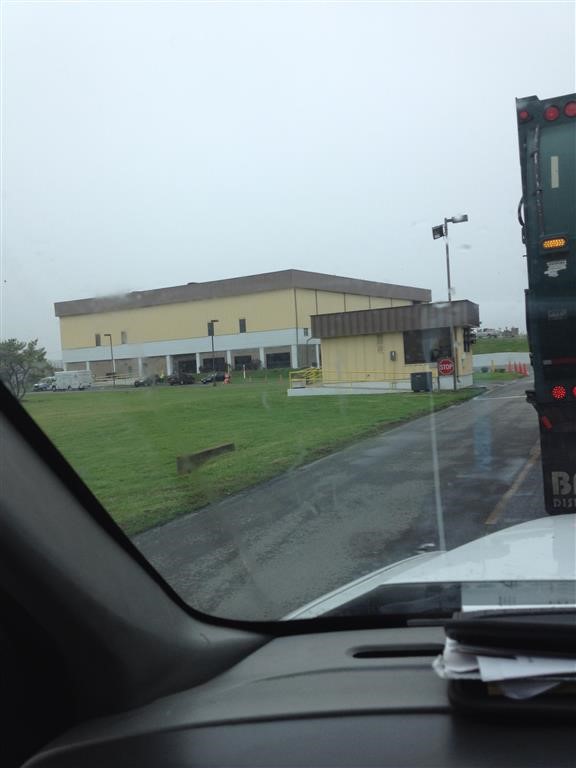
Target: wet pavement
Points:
(268, 550)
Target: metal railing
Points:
(307, 377)
(121, 379)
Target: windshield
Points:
(264, 288)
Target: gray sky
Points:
(153, 144)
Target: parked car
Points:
(181, 378)
(218, 376)
(147, 381)
(45, 384)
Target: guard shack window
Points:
(426, 346)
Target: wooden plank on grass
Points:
(185, 464)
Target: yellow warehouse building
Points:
(258, 320)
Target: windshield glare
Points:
(268, 287)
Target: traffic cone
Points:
(509, 367)
(515, 367)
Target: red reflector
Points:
(560, 361)
(551, 113)
(559, 392)
(574, 391)
(546, 422)
(570, 109)
(525, 115)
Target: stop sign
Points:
(445, 367)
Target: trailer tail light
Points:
(574, 391)
(551, 243)
(570, 109)
(559, 392)
(524, 115)
(551, 113)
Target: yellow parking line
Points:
(498, 509)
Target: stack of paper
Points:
(519, 677)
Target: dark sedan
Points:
(213, 377)
(181, 378)
(148, 381)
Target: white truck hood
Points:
(538, 550)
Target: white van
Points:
(487, 333)
(65, 380)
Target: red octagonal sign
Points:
(445, 367)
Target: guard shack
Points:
(383, 348)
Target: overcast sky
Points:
(153, 144)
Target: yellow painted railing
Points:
(322, 377)
(305, 377)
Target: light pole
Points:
(442, 231)
(112, 358)
(211, 327)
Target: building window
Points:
(242, 324)
(278, 360)
(186, 366)
(97, 340)
(305, 331)
(210, 328)
(380, 342)
(426, 346)
(210, 364)
(123, 337)
(241, 360)
(469, 339)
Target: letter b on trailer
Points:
(561, 485)
(558, 467)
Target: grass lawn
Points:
(489, 346)
(124, 443)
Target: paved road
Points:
(266, 551)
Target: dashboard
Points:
(362, 698)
